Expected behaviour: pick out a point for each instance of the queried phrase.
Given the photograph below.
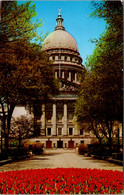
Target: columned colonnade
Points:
(75, 79)
(64, 122)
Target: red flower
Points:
(61, 180)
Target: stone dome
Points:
(59, 39)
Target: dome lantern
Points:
(59, 20)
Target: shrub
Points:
(94, 141)
(115, 141)
(118, 156)
(82, 148)
(18, 153)
(98, 149)
(3, 156)
(105, 141)
(94, 147)
(36, 147)
(13, 142)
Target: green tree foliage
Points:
(26, 75)
(100, 99)
(111, 12)
(16, 22)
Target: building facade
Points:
(58, 122)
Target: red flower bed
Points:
(61, 181)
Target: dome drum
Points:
(62, 50)
(69, 67)
(66, 59)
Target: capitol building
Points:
(58, 122)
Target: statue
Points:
(59, 11)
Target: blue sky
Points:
(77, 22)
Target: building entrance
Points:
(60, 144)
(48, 144)
(71, 144)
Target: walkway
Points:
(60, 158)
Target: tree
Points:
(21, 128)
(100, 99)
(31, 80)
(89, 107)
(26, 75)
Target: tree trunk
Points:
(109, 127)
(110, 139)
(1, 141)
(34, 134)
(9, 116)
(98, 137)
(20, 139)
(6, 140)
(3, 118)
(118, 141)
(3, 124)
(10, 112)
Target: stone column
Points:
(56, 74)
(63, 74)
(75, 77)
(54, 119)
(69, 78)
(76, 129)
(65, 132)
(43, 120)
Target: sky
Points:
(77, 22)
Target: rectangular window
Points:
(81, 132)
(48, 131)
(70, 131)
(59, 131)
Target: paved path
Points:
(60, 158)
